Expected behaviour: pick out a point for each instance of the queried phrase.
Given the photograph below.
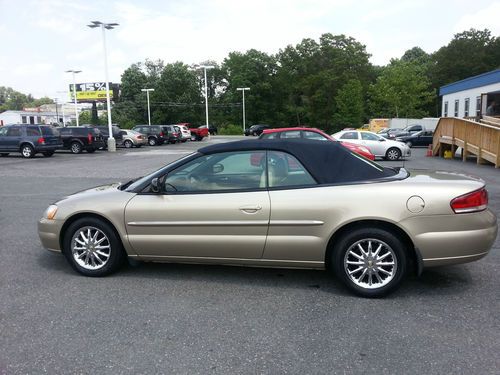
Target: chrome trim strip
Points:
(296, 222)
(197, 223)
(457, 257)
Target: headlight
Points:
(50, 212)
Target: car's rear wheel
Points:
(48, 154)
(152, 141)
(27, 151)
(370, 261)
(393, 154)
(76, 148)
(128, 143)
(92, 247)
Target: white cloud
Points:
(486, 18)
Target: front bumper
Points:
(452, 239)
(49, 233)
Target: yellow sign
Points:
(92, 95)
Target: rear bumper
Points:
(452, 239)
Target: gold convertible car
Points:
(276, 203)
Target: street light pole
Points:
(57, 112)
(149, 110)
(74, 93)
(243, 89)
(108, 26)
(205, 67)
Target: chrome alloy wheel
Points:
(90, 248)
(370, 263)
(27, 151)
(393, 154)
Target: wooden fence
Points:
(481, 139)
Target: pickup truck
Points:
(197, 134)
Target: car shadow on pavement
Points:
(451, 280)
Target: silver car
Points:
(132, 138)
(274, 203)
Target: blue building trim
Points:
(471, 82)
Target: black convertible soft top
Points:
(328, 162)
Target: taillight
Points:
(138, 136)
(89, 137)
(41, 141)
(161, 134)
(470, 202)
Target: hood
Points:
(98, 190)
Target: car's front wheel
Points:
(92, 247)
(370, 261)
(393, 154)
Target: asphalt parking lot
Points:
(191, 319)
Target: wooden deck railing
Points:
(480, 139)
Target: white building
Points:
(472, 97)
(35, 117)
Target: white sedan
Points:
(379, 146)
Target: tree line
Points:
(327, 83)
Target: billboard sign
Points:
(90, 91)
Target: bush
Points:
(230, 130)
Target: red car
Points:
(313, 133)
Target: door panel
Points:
(223, 225)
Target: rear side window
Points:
(291, 134)
(48, 130)
(33, 131)
(314, 135)
(349, 135)
(285, 170)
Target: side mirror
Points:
(155, 185)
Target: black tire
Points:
(254, 134)
(152, 141)
(27, 151)
(4, 154)
(362, 236)
(48, 154)
(116, 251)
(91, 150)
(393, 154)
(128, 143)
(199, 138)
(76, 148)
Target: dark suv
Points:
(156, 134)
(256, 129)
(29, 140)
(79, 138)
(174, 133)
(117, 133)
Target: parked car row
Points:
(30, 140)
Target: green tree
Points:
(350, 106)
(402, 90)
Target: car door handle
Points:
(250, 209)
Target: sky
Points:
(43, 39)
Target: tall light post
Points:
(74, 93)
(243, 89)
(205, 67)
(108, 26)
(62, 107)
(149, 110)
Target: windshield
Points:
(131, 186)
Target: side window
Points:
(349, 135)
(290, 134)
(269, 136)
(14, 132)
(314, 135)
(369, 136)
(241, 170)
(285, 170)
(33, 131)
